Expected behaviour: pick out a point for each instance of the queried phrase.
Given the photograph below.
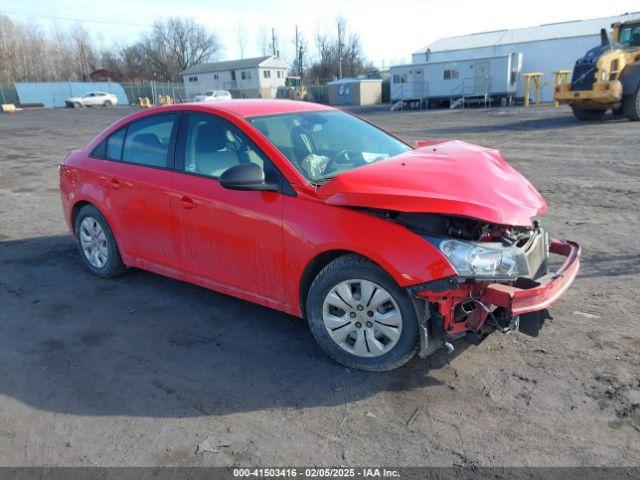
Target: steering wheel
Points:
(344, 154)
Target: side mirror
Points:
(245, 176)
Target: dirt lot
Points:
(141, 370)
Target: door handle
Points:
(115, 184)
(187, 202)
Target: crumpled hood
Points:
(446, 177)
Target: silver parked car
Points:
(213, 96)
(91, 99)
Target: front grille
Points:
(584, 76)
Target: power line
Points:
(76, 19)
(95, 20)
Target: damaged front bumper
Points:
(455, 307)
(543, 292)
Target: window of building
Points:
(267, 73)
(215, 76)
(450, 74)
(243, 75)
(193, 79)
(147, 140)
(399, 78)
(279, 73)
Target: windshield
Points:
(321, 145)
(630, 35)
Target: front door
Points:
(231, 239)
(481, 78)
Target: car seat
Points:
(212, 157)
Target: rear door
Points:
(231, 239)
(135, 178)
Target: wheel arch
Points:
(82, 202)
(321, 260)
(630, 79)
(75, 209)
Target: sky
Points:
(389, 30)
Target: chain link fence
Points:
(181, 93)
(8, 94)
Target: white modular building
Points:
(456, 60)
(478, 79)
(257, 77)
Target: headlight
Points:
(473, 260)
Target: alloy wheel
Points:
(93, 242)
(362, 318)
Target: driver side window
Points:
(212, 145)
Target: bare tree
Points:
(339, 55)
(175, 45)
(83, 53)
(263, 41)
(242, 39)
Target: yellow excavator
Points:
(607, 77)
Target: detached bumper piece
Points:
(542, 292)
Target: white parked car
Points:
(91, 99)
(213, 96)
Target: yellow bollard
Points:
(562, 78)
(537, 85)
(144, 102)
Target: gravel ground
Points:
(144, 370)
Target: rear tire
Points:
(383, 328)
(96, 243)
(588, 115)
(631, 106)
(107, 103)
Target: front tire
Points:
(97, 244)
(360, 317)
(588, 115)
(631, 106)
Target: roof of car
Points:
(254, 107)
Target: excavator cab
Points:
(629, 35)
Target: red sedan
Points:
(386, 249)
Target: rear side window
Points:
(114, 144)
(147, 141)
